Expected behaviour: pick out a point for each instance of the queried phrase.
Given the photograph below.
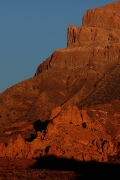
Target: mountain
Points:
(71, 107)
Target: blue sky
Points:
(31, 30)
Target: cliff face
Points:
(96, 43)
(85, 74)
(104, 17)
(99, 25)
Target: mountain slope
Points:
(85, 74)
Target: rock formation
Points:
(77, 89)
(71, 134)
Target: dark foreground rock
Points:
(53, 168)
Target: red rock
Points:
(95, 18)
(77, 89)
(65, 137)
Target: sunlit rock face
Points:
(70, 134)
(71, 107)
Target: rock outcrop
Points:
(77, 89)
(70, 134)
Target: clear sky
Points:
(31, 30)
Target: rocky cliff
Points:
(75, 92)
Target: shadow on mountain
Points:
(86, 170)
(38, 126)
(41, 126)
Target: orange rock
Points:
(95, 18)
(84, 75)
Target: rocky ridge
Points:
(76, 89)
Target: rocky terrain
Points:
(71, 107)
